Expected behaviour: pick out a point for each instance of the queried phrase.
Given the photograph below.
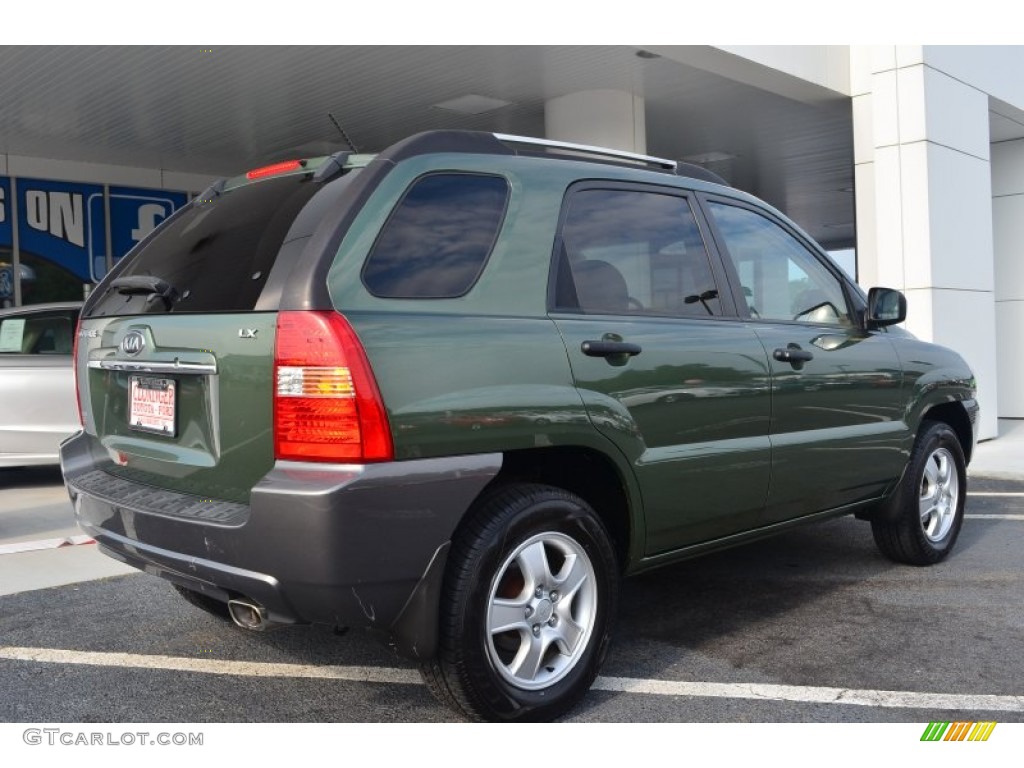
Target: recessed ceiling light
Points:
(709, 157)
(472, 104)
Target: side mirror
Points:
(886, 306)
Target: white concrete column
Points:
(603, 118)
(924, 203)
(1008, 229)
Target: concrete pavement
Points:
(1002, 457)
(35, 516)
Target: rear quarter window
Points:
(437, 240)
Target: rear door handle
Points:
(609, 348)
(794, 355)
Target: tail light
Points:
(74, 370)
(327, 406)
(273, 170)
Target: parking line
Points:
(211, 666)
(32, 546)
(994, 517)
(815, 694)
(391, 675)
(994, 493)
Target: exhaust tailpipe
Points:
(249, 615)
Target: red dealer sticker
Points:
(152, 405)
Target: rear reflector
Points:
(271, 170)
(326, 403)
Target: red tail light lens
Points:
(327, 406)
(273, 170)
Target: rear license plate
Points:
(152, 406)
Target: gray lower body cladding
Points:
(361, 546)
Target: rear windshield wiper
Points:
(153, 287)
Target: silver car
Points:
(37, 389)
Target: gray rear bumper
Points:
(353, 545)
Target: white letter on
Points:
(66, 219)
(35, 210)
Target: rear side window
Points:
(437, 240)
(633, 252)
(217, 254)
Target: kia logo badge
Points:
(133, 343)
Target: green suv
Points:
(454, 392)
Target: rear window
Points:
(436, 241)
(217, 254)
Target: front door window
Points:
(780, 278)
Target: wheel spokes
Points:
(507, 616)
(930, 481)
(527, 662)
(928, 511)
(541, 610)
(568, 634)
(571, 577)
(929, 523)
(533, 562)
(940, 495)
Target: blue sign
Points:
(6, 228)
(66, 223)
(52, 222)
(134, 213)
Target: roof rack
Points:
(659, 162)
(504, 143)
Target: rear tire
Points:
(530, 591)
(921, 521)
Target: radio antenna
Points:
(342, 132)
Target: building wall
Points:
(1008, 226)
(94, 173)
(924, 193)
(993, 69)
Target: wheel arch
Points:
(596, 478)
(955, 415)
(605, 482)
